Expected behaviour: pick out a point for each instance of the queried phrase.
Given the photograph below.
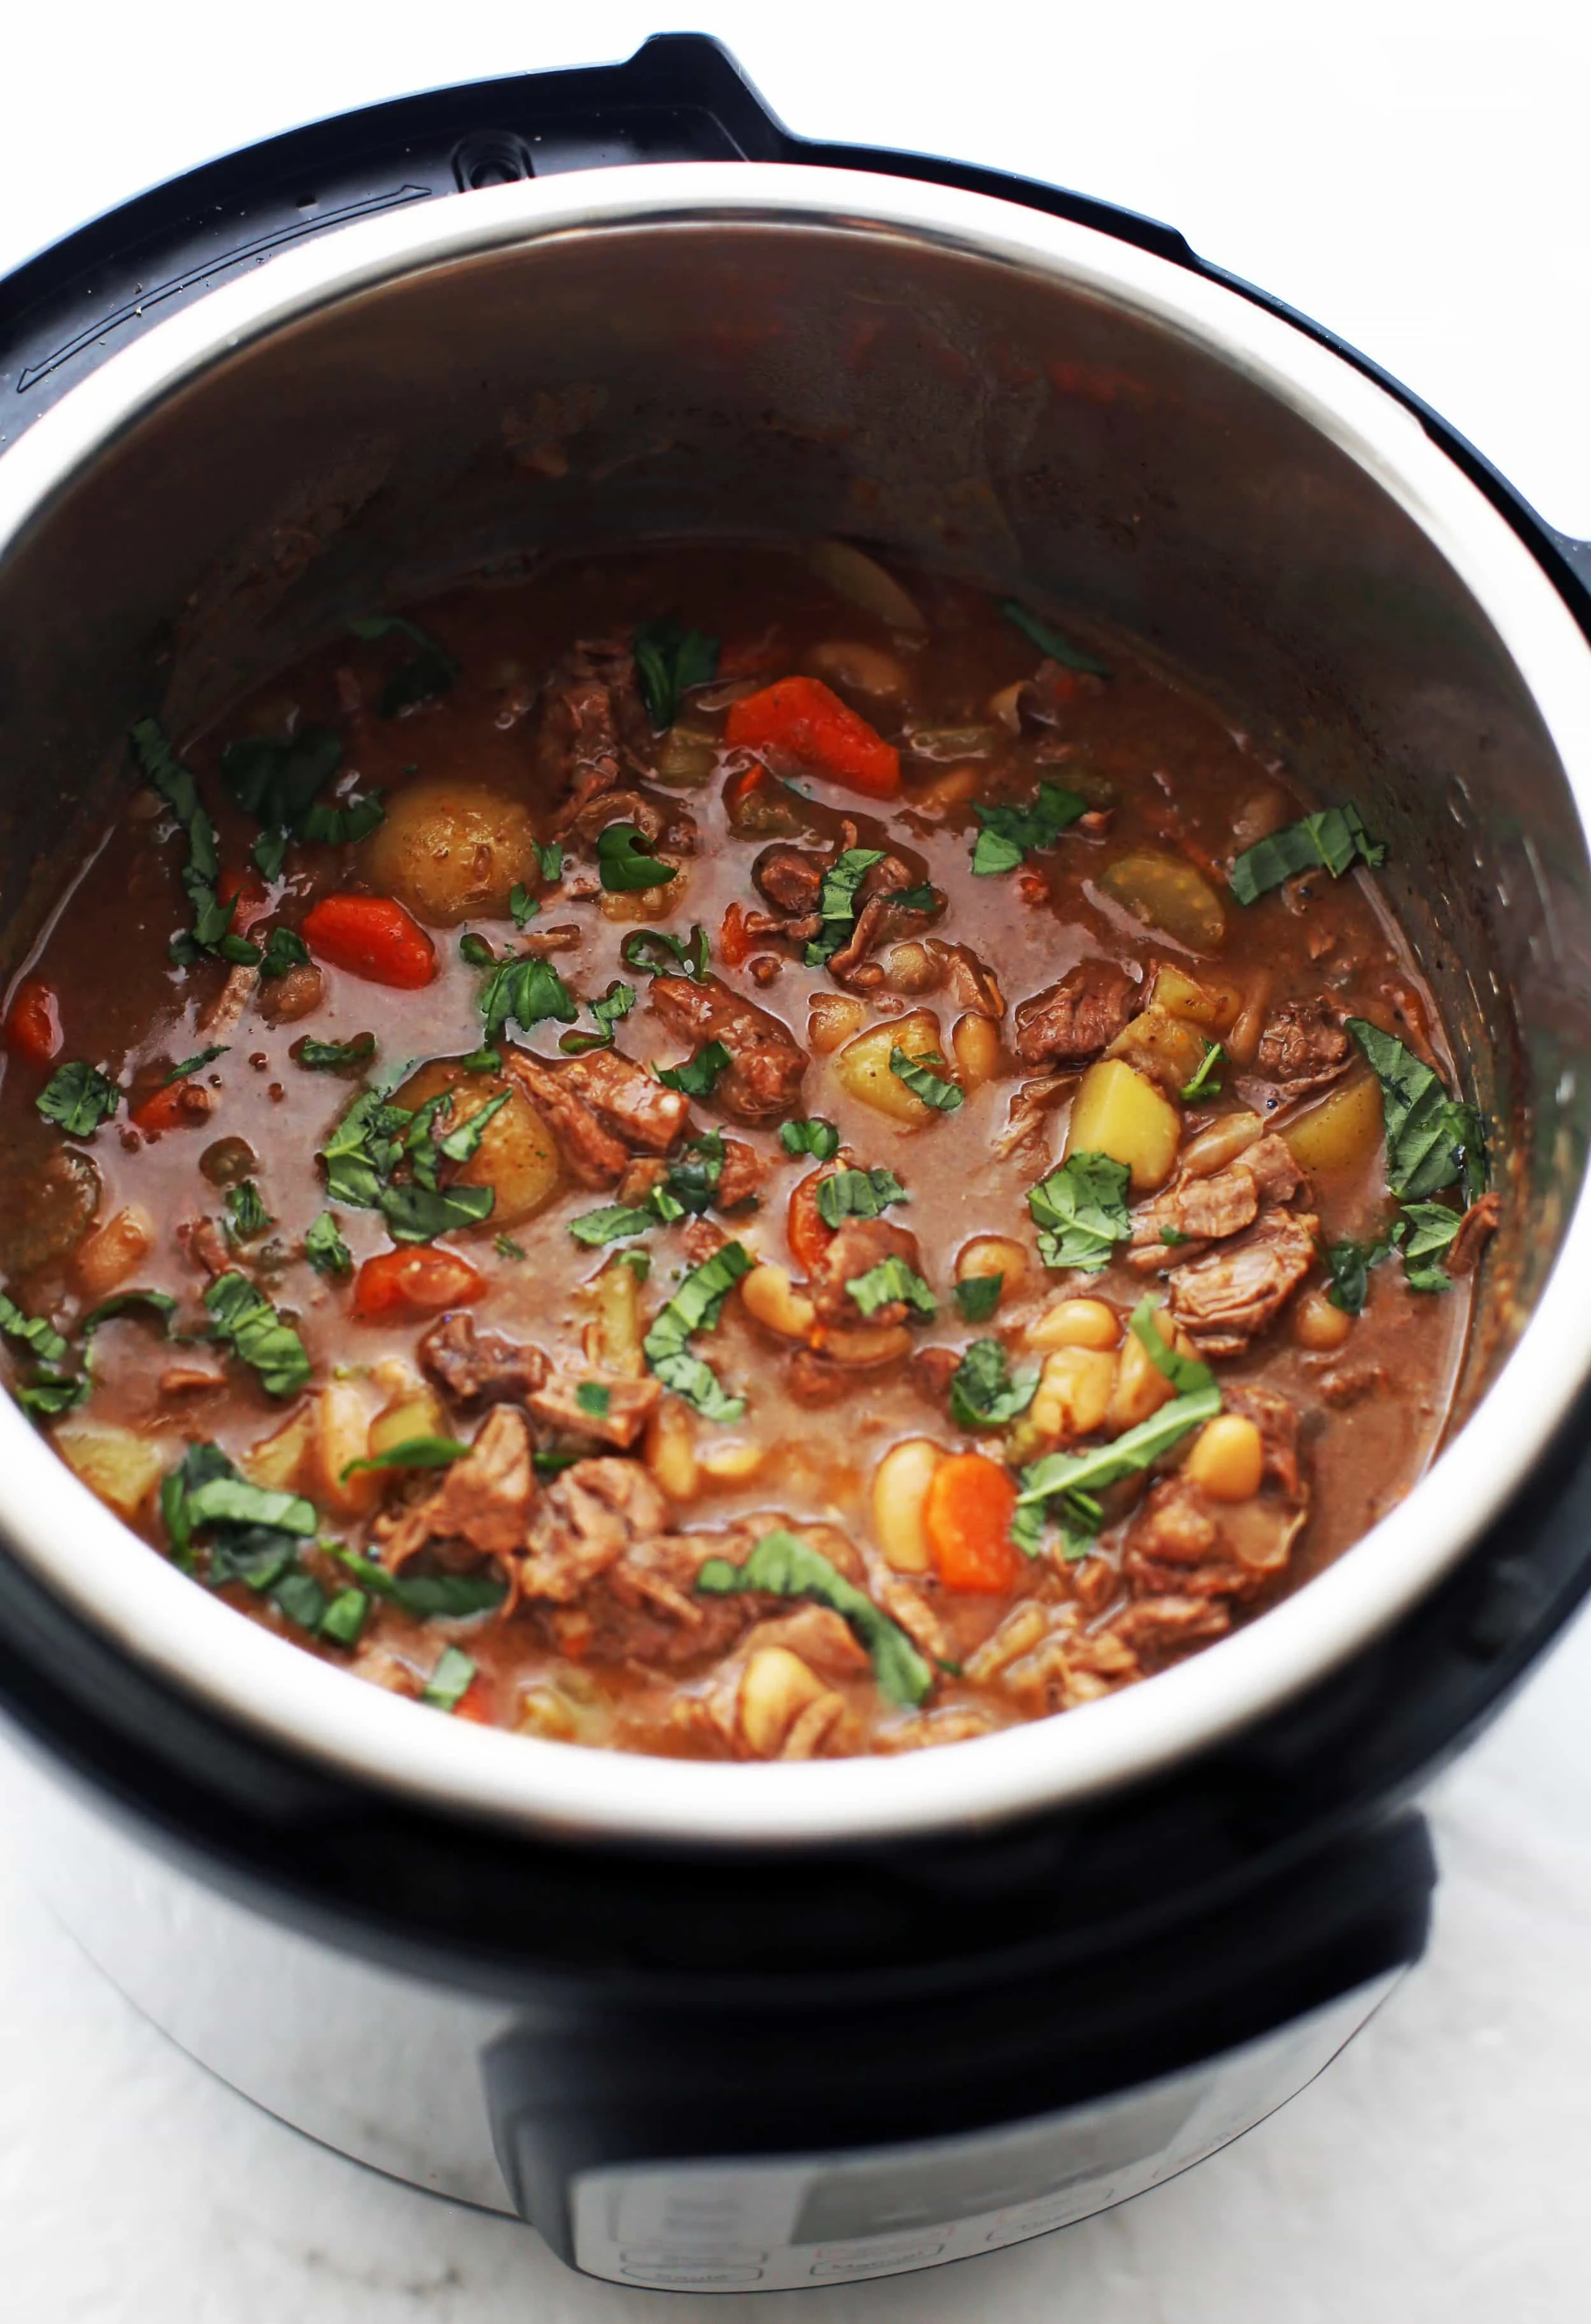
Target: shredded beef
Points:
(791, 878)
(972, 987)
(631, 1404)
(633, 1105)
(484, 1499)
(1074, 1020)
(594, 725)
(588, 1517)
(480, 1366)
(1158, 1628)
(1304, 1046)
(1208, 1209)
(767, 1066)
(742, 1176)
(1223, 1300)
(591, 1153)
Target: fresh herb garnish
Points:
(593, 1399)
(617, 1002)
(785, 1567)
(445, 1688)
(943, 1096)
(429, 671)
(1011, 832)
(344, 1620)
(692, 1182)
(246, 1320)
(332, 1056)
(35, 1332)
(212, 919)
(278, 783)
(247, 1215)
(670, 661)
(837, 901)
(551, 859)
(283, 950)
(482, 1061)
(452, 1597)
(325, 1248)
(525, 991)
(507, 1248)
(48, 1394)
(1071, 1479)
(1331, 841)
(1081, 1212)
(1432, 1140)
(160, 1304)
(475, 952)
(77, 1098)
(816, 1137)
(694, 1307)
(698, 1076)
(858, 1195)
(1201, 1085)
(613, 1223)
(1050, 642)
(1186, 1374)
(522, 905)
(626, 863)
(413, 1453)
(985, 1392)
(340, 827)
(977, 1296)
(257, 1536)
(892, 1279)
(658, 954)
(1422, 1233)
(193, 1065)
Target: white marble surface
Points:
(1413, 175)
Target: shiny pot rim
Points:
(198, 1645)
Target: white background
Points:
(1414, 176)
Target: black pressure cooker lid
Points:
(1293, 1811)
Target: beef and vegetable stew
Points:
(734, 1153)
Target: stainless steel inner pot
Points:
(771, 350)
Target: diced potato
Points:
(1166, 892)
(862, 1067)
(834, 1017)
(277, 1461)
(1197, 1001)
(417, 1413)
(450, 849)
(976, 1043)
(1166, 1047)
(341, 1434)
(1119, 1113)
(900, 1487)
(114, 1252)
(121, 1468)
(614, 1343)
(1342, 1132)
(517, 1155)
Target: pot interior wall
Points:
(599, 386)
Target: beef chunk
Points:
(879, 916)
(857, 1246)
(631, 1404)
(741, 1176)
(1305, 1045)
(1157, 1629)
(480, 1366)
(972, 987)
(1223, 1300)
(791, 878)
(767, 1064)
(483, 1500)
(587, 1519)
(594, 725)
(1207, 1210)
(816, 1382)
(1074, 1020)
(625, 1096)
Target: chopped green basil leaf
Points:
(212, 919)
(34, 1332)
(658, 954)
(977, 1296)
(445, 1688)
(785, 1567)
(626, 863)
(476, 951)
(617, 1002)
(1201, 1085)
(593, 1399)
(1186, 1374)
(524, 991)
(77, 1098)
(1081, 1212)
(984, 1393)
(1432, 1140)
(429, 671)
(943, 1096)
(890, 1281)
(698, 1076)
(232, 1500)
(1330, 841)
(160, 1304)
(858, 1195)
(694, 1307)
(1424, 1232)
(246, 1321)
(613, 1223)
(344, 1619)
(551, 860)
(837, 901)
(331, 1057)
(816, 1137)
(670, 661)
(1011, 833)
(482, 1061)
(1072, 1478)
(247, 1215)
(192, 1065)
(450, 1596)
(278, 783)
(414, 1453)
(507, 1248)
(522, 905)
(283, 950)
(325, 1248)
(1050, 642)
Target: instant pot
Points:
(716, 2027)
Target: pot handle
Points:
(681, 98)
(770, 2144)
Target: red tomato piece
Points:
(808, 1231)
(807, 720)
(415, 1283)
(372, 936)
(475, 1704)
(179, 1105)
(734, 943)
(32, 1024)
